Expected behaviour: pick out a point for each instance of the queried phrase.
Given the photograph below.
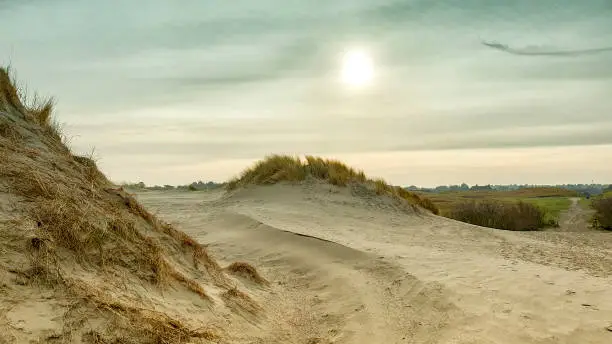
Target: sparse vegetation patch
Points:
(247, 271)
(514, 216)
(603, 212)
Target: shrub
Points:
(603, 213)
(519, 216)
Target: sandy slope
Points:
(349, 269)
(81, 261)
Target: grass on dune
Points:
(282, 168)
(72, 219)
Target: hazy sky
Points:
(175, 91)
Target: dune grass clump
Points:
(602, 218)
(236, 299)
(247, 271)
(514, 216)
(282, 168)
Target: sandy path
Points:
(576, 218)
(373, 274)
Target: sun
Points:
(357, 68)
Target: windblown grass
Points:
(514, 216)
(282, 168)
(238, 300)
(247, 271)
(74, 219)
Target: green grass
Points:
(552, 206)
(551, 200)
(282, 168)
(514, 216)
(602, 205)
(585, 203)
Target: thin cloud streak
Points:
(538, 52)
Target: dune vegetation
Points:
(553, 200)
(283, 168)
(77, 235)
(515, 216)
(549, 201)
(602, 218)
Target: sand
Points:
(576, 218)
(347, 268)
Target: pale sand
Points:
(358, 269)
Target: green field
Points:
(552, 205)
(586, 203)
(552, 200)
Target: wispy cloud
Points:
(537, 51)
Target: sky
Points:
(170, 92)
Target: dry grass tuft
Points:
(90, 172)
(514, 216)
(279, 168)
(247, 271)
(42, 111)
(132, 205)
(138, 324)
(199, 252)
(381, 187)
(190, 284)
(236, 299)
(34, 109)
(416, 199)
(9, 132)
(9, 94)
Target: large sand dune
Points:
(346, 267)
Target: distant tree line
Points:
(586, 189)
(195, 186)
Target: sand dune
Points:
(81, 261)
(349, 268)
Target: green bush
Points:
(603, 213)
(516, 216)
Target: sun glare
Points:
(357, 69)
